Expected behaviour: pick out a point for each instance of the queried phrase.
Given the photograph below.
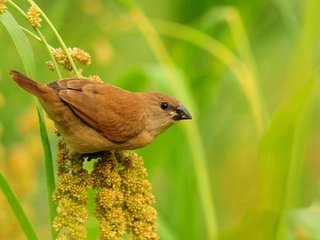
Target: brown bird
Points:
(92, 116)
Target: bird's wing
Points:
(114, 112)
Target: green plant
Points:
(247, 166)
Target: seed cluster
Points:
(123, 199)
(33, 16)
(77, 55)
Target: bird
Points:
(93, 116)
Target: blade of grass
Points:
(231, 16)
(278, 153)
(240, 70)
(181, 90)
(54, 30)
(21, 42)
(41, 38)
(25, 51)
(304, 53)
(17, 209)
(295, 182)
(49, 166)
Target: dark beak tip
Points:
(186, 116)
(183, 113)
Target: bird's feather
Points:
(104, 108)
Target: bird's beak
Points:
(182, 113)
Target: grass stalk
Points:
(192, 131)
(50, 179)
(40, 38)
(24, 48)
(49, 48)
(18, 8)
(56, 33)
(215, 48)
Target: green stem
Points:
(238, 68)
(180, 89)
(18, 8)
(17, 209)
(35, 36)
(49, 167)
(44, 137)
(40, 38)
(31, 34)
(63, 45)
(48, 47)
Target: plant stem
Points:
(49, 167)
(48, 47)
(179, 88)
(18, 8)
(63, 45)
(238, 68)
(40, 38)
(34, 36)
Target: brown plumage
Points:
(93, 116)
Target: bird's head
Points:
(162, 111)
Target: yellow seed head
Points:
(124, 197)
(77, 54)
(3, 8)
(33, 16)
(80, 56)
(71, 196)
(95, 78)
(61, 58)
(50, 65)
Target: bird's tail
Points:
(27, 84)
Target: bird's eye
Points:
(164, 105)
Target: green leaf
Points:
(17, 209)
(49, 165)
(26, 53)
(21, 42)
(278, 153)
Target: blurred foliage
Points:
(265, 183)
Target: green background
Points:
(248, 72)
